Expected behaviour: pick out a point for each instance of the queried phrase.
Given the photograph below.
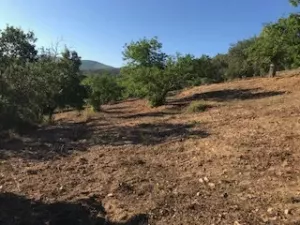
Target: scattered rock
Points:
(206, 179)
(286, 212)
(273, 218)
(110, 195)
(270, 210)
(201, 180)
(211, 185)
(236, 223)
(285, 163)
(198, 194)
(278, 173)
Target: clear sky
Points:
(98, 29)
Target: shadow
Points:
(47, 142)
(56, 141)
(17, 210)
(150, 114)
(226, 95)
(147, 134)
(118, 107)
(116, 111)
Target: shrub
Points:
(102, 89)
(197, 106)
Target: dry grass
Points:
(236, 163)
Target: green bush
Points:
(102, 89)
(34, 84)
(197, 106)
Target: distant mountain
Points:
(90, 65)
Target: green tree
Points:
(17, 51)
(220, 62)
(295, 2)
(205, 71)
(144, 52)
(238, 64)
(145, 71)
(33, 84)
(102, 89)
(278, 44)
(16, 46)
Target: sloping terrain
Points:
(236, 163)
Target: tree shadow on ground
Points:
(147, 134)
(149, 114)
(17, 210)
(46, 142)
(226, 95)
(52, 142)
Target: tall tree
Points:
(144, 52)
(16, 45)
(238, 64)
(278, 44)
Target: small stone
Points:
(206, 179)
(270, 210)
(286, 212)
(285, 163)
(273, 218)
(236, 223)
(110, 195)
(198, 194)
(225, 195)
(201, 180)
(1, 187)
(211, 185)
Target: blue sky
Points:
(98, 29)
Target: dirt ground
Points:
(236, 163)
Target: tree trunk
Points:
(272, 71)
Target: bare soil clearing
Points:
(235, 163)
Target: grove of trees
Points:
(34, 82)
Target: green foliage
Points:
(145, 52)
(145, 73)
(295, 2)
(152, 74)
(278, 44)
(205, 71)
(238, 64)
(101, 90)
(197, 106)
(33, 84)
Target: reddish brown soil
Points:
(236, 163)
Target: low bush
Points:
(197, 106)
